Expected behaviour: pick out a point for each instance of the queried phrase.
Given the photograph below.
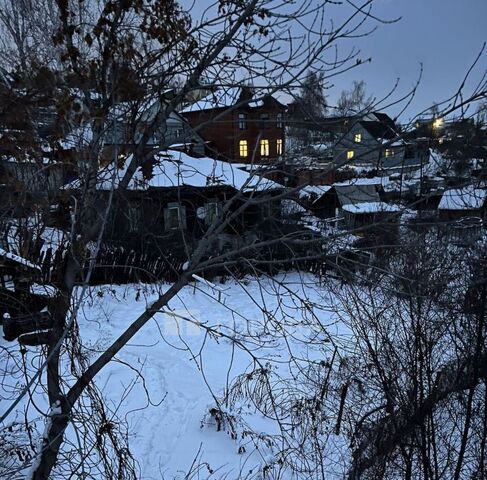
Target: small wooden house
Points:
(166, 209)
(370, 215)
(463, 202)
(358, 190)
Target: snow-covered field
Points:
(182, 363)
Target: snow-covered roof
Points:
(363, 181)
(222, 98)
(315, 190)
(370, 207)
(225, 98)
(18, 259)
(398, 142)
(467, 198)
(177, 169)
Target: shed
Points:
(377, 217)
(468, 201)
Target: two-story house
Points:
(373, 141)
(239, 125)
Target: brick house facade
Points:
(239, 128)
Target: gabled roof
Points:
(371, 207)
(353, 194)
(228, 97)
(379, 130)
(467, 198)
(177, 169)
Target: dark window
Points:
(175, 216)
(279, 120)
(242, 121)
(133, 218)
(264, 120)
(409, 153)
(212, 211)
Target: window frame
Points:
(243, 146)
(242, 121)
(264, 120)
(264, 147)
(280, 120)
(279, 146)
(211, 216)
(357, 138)
(181, 216)
(134, 216)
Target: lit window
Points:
(264, 148)
(358, 138)
(279, 120)
(242, 121)
(243, 148)
(389, 152)
(350, 154)
(175, 216)
(279, 146)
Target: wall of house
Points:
(315, 177)
(453, 215)
(370, 152)
(139, 221)
(367, 152)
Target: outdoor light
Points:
(437, 123)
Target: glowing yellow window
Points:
(350, 154)
(279, 146)
(389, 152)
(243, 148)
(358, 138)
(264, 148)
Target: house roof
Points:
(353, 194)
(378, 181)
(467, 198)
(371, 207)
(379, 129)
(178, 169)
(228, 97)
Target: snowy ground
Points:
(183, 369)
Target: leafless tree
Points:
(355, 100)
(117, 59)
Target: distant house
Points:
(374, 142)
(375, 215)
(334, 197)
(129, 121)
(463, 202)
(355, 203)
(240, 125)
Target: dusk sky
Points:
(445, 35)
